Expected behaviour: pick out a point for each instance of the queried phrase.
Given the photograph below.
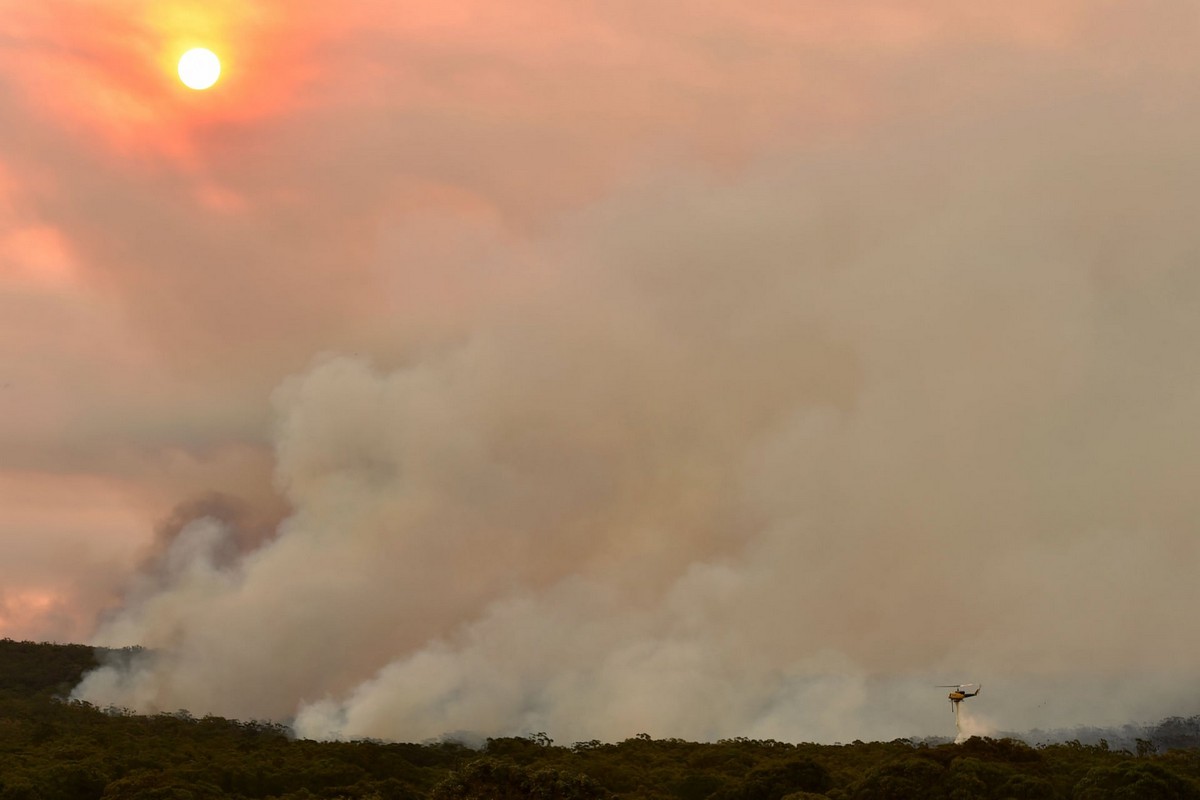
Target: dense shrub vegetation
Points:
(51, 749)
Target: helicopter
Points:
(960, 692)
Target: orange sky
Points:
(383, 179)
(167, 256)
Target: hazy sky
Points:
(703, 369)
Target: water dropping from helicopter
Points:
(958, 693)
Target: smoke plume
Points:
(767, 455)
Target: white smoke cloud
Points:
(768, 457)
(971, 724)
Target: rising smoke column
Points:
(757, 457)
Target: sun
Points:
(199, 68)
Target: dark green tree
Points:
(901, 780)
(1135, 780)
(497, 779)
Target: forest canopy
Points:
(55, 749)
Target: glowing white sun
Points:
(199, 68)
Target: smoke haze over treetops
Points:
(765, 456)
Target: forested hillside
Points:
(51, 750)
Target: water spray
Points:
(960, 692)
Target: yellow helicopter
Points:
(961, 692)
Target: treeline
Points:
(52, 749)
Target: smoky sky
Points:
(747, 373)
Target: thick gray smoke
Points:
(768, 456)
(244, 529)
